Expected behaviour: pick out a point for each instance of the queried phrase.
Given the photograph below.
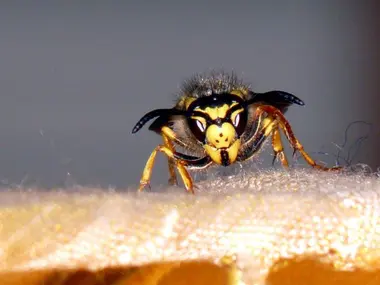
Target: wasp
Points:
(218, 119)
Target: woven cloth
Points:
(267, 227)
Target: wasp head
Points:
(217, 122)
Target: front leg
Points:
(171, 163)
(181, 162)
(257, 140)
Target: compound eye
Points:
(198, 128)
(240, 121)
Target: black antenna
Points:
(153, 114)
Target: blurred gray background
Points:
(76, 76)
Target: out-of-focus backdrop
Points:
(76, 76)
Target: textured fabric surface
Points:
(269, 227)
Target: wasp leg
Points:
(170, 136)
(255, 142)
(171, 164)
(278, 148)
(285, 126)
(169, 133)
(193, 162)
(147, 172)
(175, 159)
(180, 160)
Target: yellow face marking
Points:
(216, 156)
(220, 136)
(234, 114)
(216, 112)
(201, 120)
(233, 151)
(233, 104)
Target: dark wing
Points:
(176, 120)
(279, 99)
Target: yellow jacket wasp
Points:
(219, 120)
